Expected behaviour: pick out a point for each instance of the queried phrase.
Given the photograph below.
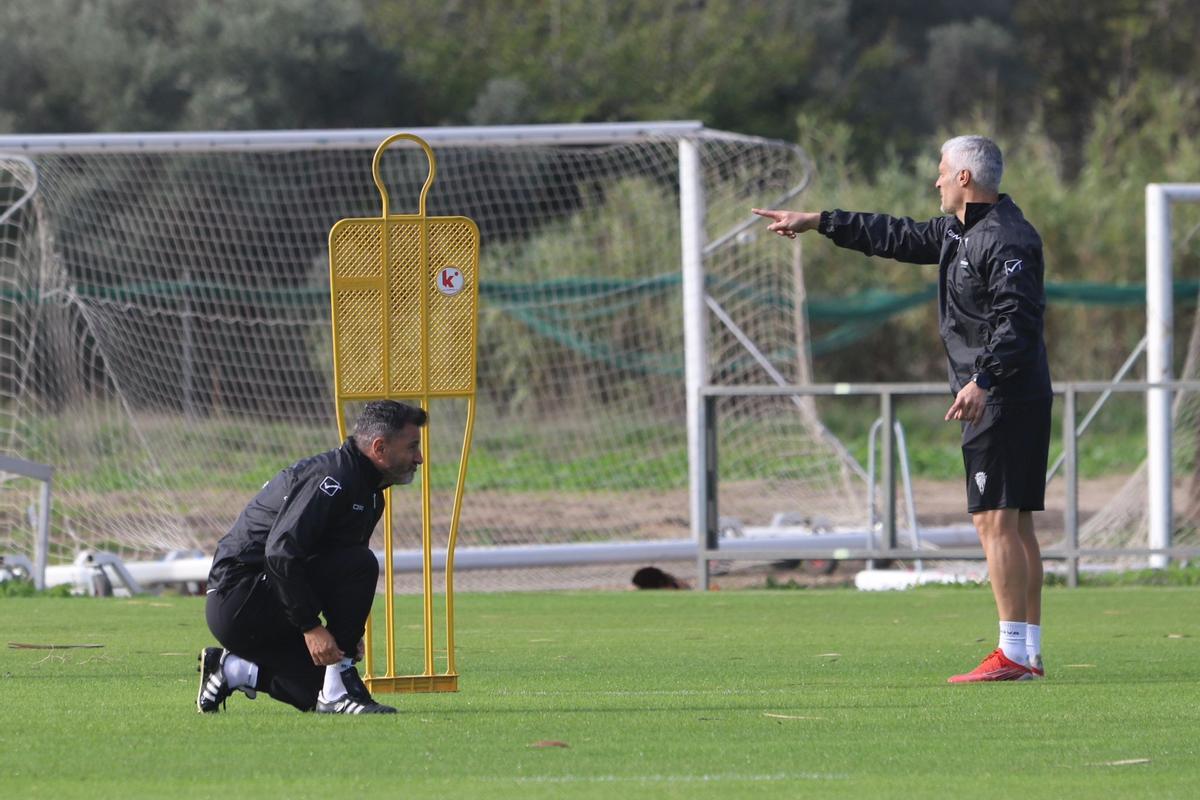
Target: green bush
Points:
(18, 587)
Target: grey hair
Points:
(381, 419)
(979, 155)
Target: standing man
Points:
(991, 304)
(300, 550)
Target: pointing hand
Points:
(789, 223)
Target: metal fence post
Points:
(711, 539)
(1071, 511)
(887, 412)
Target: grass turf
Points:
(658, 694)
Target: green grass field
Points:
(680, 694)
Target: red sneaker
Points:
(996, 667)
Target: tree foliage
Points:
(896, 72)
(122, 65)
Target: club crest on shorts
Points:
(330, 486)
(981, 480)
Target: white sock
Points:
(334, 689)
(1012, 640)
(1033, 640)
(240, 673)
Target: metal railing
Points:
(887, 550)
(41, 517)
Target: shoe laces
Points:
(995, 659)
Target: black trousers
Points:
(249, 621)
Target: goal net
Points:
(165, 326)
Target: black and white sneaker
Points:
(348, 705)
(357, 699)
(214, 689)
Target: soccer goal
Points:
(166, 334)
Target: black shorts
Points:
(1005, 457)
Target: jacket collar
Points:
(977, 211)
(364, 464)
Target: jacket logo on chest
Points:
(1012, 265)
(330, 486)
(358, 507)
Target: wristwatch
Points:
(983, 380)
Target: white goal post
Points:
(1160, 320)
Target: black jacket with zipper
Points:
(318, 504)
(991, 295)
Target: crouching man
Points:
(299, 551)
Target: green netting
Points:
(554, 309)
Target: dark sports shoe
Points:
(357, 699)
(348, 705)
(214, 689)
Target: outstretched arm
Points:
(789, 223)
(900, 238)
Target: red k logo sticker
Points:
(450, 281)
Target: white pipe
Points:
(145, 573)
(42, 550)
(691, 231)
(792, 538)
(1159, 320)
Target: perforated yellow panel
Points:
(406, 313)
(420, 253)
(360, 345)
(452, 244)
(356, 251)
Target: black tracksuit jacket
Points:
(322, 503)
(991, 296)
